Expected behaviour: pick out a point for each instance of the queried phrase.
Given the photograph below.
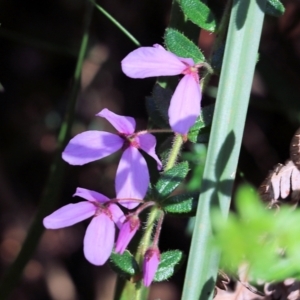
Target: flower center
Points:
(129, 140)
(192, 71)
(102, 209)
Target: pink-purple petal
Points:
(132, 177)
(187, 61)
(91, 145)
(126, 234)
(99, 239)
(150, 265)
(151, 62)
(122, 124)
(185, 105)
(117, 215)
(69, 215)
(147, 143)
(90, 195)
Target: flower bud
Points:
(150, 265)
(128, 230)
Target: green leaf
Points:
(124, 264)
(170, 179)
(179, 44)
(274, 8)
(202, 121)
(169, 261)
(183, 204)
(199, 14)
(266, 240)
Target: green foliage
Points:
(169, 261)
(274, 8)
(196, 158)
(199, 14)
(266, 240)
(183, 204)
(179, 44)
(204, 120)
(124, 264)
(170, 179)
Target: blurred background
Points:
(39, 46)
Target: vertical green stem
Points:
(53, 185)
(173, 155)
(225, 141)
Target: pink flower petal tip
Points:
(150, 265)
(127, 232)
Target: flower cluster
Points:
(132, 176)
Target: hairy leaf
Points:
(124, 264)
(170, 179)
(179, 44)
(168, 261)
(183, 204)
(199, 13)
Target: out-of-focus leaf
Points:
(179, 44)
(274, 8)
(266, 240)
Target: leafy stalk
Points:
(53, 185)
(225, 141)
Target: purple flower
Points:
(132, 177)
(150, 265)
(156, 61)
(128, 230)
(100, 234)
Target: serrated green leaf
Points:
(179, 44)
(202, 121)
(183, 204)
(199, 14)
(274, 8)
(169, 261)
(124, 264)
(170, 179)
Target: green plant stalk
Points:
(174, 152)
(53, 185)
(139, 291)
(225, 142)
(115, 22)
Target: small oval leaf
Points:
(199, 14)
(170, 179)
(169, 261)
(124, 264)
(183, 204)
(274, 8)
(179, 44)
